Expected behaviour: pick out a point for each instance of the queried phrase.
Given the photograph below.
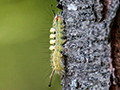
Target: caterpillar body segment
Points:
(52, 36)
(59, 35)
(60, 41)
(57, 41)
(56, 62)
(59, 47)
(56, 47)
(52, 30)
(52, 47)
(52, 41)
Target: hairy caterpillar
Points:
(56, 47)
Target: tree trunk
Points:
(89, 62)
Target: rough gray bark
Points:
(88, 50)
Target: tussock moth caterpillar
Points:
(56, 47)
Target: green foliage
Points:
(24, 53)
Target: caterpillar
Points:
(56, 47)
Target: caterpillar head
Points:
(59, 19)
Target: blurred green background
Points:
(24, 42)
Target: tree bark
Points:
(115, 43)
(89, 62)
